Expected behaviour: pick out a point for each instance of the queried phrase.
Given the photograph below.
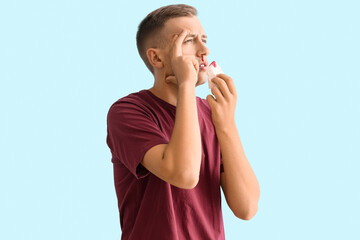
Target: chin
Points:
(201, 80)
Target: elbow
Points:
(188, 185)
(187, 176)
(184, 176)
(188, 181)
(246, 213)
(249, 208)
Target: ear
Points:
(154, 58)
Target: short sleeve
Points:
(132, 131)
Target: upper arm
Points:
(163, 167)
(135, 140)
(152, 161)
(131, 133)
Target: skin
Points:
(165, 62)
(177, 73)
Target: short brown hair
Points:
(152, 24)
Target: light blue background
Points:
(296, 67)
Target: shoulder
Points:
(132, 104)
(137, 98)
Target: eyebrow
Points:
(195, 35)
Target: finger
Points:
(221, 84)
(217, 93)
(177, 49)
(229, 82)
(211, 100)
(172, 44)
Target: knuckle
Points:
(228, 79)
(213, 90)
(217, 79)
(223, 83)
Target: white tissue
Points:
(213, 70)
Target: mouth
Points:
(203, 66)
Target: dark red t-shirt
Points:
(151, 208)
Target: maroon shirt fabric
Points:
(151, 208)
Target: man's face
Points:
(193, 45)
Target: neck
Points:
(163, 90)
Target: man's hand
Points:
(223, 107)
(238, 181)
(185, 68)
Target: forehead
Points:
(177, 25)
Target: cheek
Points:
(167, 64)
(188, 49)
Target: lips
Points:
(203, 64)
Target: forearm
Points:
(238, 179)
(184, 148)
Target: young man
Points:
(171, 150)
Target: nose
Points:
(203, 50)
